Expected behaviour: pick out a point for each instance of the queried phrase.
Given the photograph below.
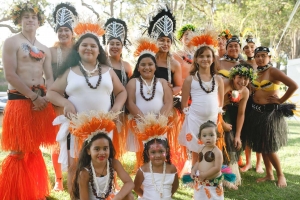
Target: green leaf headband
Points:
(243, 70)
(185, 28)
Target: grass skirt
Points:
(24, 129)
(266, 131)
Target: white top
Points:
(153, 105)
(85, 98)
(150, 192)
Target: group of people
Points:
(194, 100)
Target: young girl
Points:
(207, 171)
(206, 91)
(96, 163)
(157, 178)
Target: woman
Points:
(248, 48)
(59, 52)
(266, 125)
(88, 82)
(235, 100)
(146, 92)
(222, 40)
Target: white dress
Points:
(85, 98)
(149, 190)
(204, 107)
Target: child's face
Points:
(99, 150)
(205, 59)
(240, 81)
(157, 153)
(209, 136)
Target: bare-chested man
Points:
(28, 116)
(185, 56)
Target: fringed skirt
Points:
(266, 128)
(25, 129)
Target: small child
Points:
(97, 165)
(207, 170)
(157, 178)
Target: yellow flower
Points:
(16, 8)
(35, 10)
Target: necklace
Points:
(89, 72)
(169, 68)
(149, 88)
(81, 67)
(212, 87)
(230, 59)
(250, 58)
(153, 84)
(34, 52)
(160, 189)
(101, 194)
(263, 68)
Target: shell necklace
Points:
(89, 72)
(161, 188)
(149, 88)
(101, 193)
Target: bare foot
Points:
(246, 168)
(281, 183)
(259, 169)
(266, 178)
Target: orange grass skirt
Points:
(24, 129)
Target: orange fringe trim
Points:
(205, 39)
(145, 44)
(221, 140)
(25, 129)
(119, 138)
(83, 28)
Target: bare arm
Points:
(139, 178)
(175, 184)
(177, 77)
(125, 178)
(119, 92)
(220, 90)
(216, 168)
(130, 103)
(186, 90)
(168, 98)
(83, 182)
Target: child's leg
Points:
(274, 159)
(248, 159)
(269, 171)
(58, 173)
(258, 167)
(71, 173)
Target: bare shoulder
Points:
(12, 42)
(127, 65)
(84, 175)
(188, 79)
(175, 63)
(171, 168)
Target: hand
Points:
(227, 127)
(69, 109)
(237, 143)
(170, 85)
(274, 99)
(40, 103)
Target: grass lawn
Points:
(250, 190)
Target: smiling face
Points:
(29, 21)
(64, 35)
(99, 150)
(249, 50)
(222, 42)
(239, 82)
(114, 47)
(233, 49)
(209, 136)
(262, 59)
(205, 59)
(186, 37)
(147, 68)
(157, 153)
(88, 50)
(164, 44)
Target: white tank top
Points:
(153, 105)
(85, 98)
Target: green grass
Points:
(250, 190)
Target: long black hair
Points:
(74, 57)
(84, 159)
(136, 73)
(147, 145)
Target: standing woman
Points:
(249, 46)
(63, 16)
(266, 124)
(88, 82)
(222, 40)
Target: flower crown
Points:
(225, 33)
(151, 126)
(243, 70)
(20, 7)
(86, 125)
(145, 45)
(89, 26)
(188, 27)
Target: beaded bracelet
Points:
(35, 98)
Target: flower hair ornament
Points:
(182, 30)
(225, 33)
(64, 16)
(89, 25)
(115, 29)
(21, 7)
(207, 38)
(145, 45)
(243, 70)
(163, 24)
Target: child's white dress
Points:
(150, 192)
(204, 107)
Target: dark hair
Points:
(207, 124)
(147, 145)
(136, 73)
(84, 159)
(195, 65)
(74, 58)
(234, 38)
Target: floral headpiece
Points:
(145, 45)
(225, 33)
(86, 125)
(243, 70)
(64, 16)
(208, 38)
(151, 126)
(20, 7)
(182, 30)
(89, 26)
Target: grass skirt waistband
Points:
(25, 129)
